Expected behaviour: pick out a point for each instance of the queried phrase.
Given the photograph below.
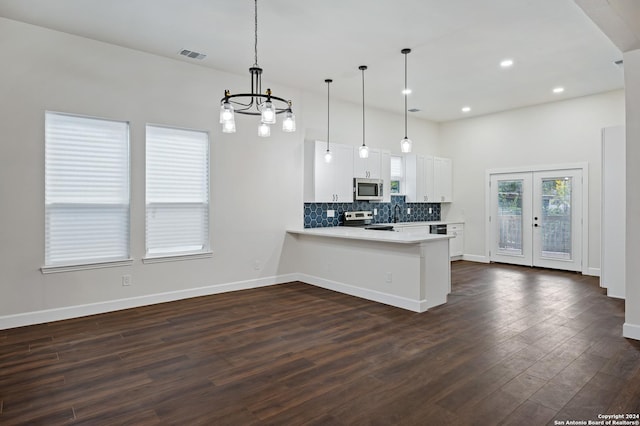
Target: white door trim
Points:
(540, 168)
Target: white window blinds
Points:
(396, 167)
(86, 190)
(177, 191)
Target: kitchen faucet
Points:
(395, 213)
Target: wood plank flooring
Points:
(514, 346)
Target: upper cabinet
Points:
(385, 175)
(370, 167)
(427, 179)
(442, 177)
(333, 182)
(328, 182)
(418, 187)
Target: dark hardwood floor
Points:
(514, 345)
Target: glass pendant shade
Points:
(363, 151)
(328, 156)
(226, 112)
(289, 122)
(264, 131)
(268, 113)
(405, 145)
(229, 126)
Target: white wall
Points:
(632, 87)
(383, 130)
(256, 184)
(560, 132)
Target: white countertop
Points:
(345, 232)
(435, 222)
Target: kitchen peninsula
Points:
(409, 270)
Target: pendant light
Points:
(327, 155)
(405, 143)
(363, 151)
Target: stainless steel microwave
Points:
(367, 189)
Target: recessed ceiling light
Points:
(406, 91)
(466, 109)
(506, 63)
(558, 89)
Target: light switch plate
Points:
(331, 213)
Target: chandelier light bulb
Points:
(229, 126)
(226, 112)
(268, 113)
(289, 122)
(328, 156)
(264, 131)
(405, 145)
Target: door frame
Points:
(543, 168)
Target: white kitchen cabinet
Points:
(419, 184)
(385, 175)
(442, 177)
(456, 244)
(328, 182)
(369, 167)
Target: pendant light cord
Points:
(405, 95)
(328, 81)
(363, 67)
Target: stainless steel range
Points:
(363, 219)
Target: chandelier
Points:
(266, 105)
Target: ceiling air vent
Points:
(193, 55)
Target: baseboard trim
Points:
(58, 314)
(594, 272)
(475, 258)
(373, 295)
(631, 331)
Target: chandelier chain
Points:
(255, 34)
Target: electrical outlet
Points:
(375, 212)
(408, 210)
(257, 265)
(126, 280)
(430, 210)
(388, 278)
(331, 213)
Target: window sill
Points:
(177, 257)
(85, 266)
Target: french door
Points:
(536, 219)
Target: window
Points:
(177, 192)
(397, 175)
(86, 190)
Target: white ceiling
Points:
(456, 45)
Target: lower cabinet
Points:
(456, 244)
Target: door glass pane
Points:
(510, 216)
(556, 218)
